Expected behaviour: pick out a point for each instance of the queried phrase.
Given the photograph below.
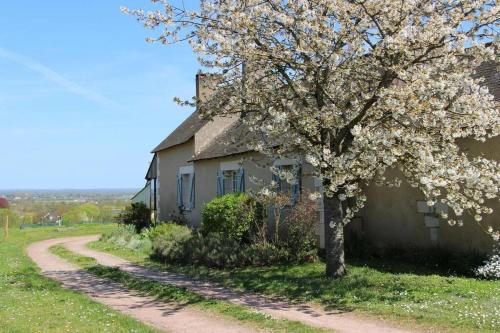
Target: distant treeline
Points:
(32, 211)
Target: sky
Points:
(83, 97)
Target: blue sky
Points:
(83, 97)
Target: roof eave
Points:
(159, 148)
(195, 159)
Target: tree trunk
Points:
(334, 237)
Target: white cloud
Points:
(56, 78)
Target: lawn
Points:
(30, 302)
(184, 297)
(431, 300)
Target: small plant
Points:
(170, 242)
(126, 236)
(491, 267)
(231, 215)
(178, 218)
(265, 254)
(162, 228)
(298, 232)
(278, 203)
(138, 215)
(215, 250)
(121, 234)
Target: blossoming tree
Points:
(357, 87)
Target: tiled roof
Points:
(183, 133)
(233, 141)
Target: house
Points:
(202, 159)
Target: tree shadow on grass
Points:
(300, 283)
(307, 283)
(162, 292)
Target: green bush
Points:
(122, 233)
(231, 216)
(138, 215)
(161, 229)
(265, 254)
(227, 238)
(170, 243)
(126, 236)
(214, 250)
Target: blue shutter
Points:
(179, 191)
(192, 193)
(277, 179)
(297, 185)
(220, 183)
(240, 180)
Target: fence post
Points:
(6, 227)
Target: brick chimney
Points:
(217, 125)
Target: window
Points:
(291, 187)
(185, 188)
(230, 181)
(284, 185)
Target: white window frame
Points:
(189, 171)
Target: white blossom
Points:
(356, 87)
(491, 267)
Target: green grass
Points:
(30, 302)
(183, 297)
(443, 302)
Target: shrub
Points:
(265, 254)
(227, 229)
(214, 250)
(230, 215)
(170, 243)
(138, 215)
(162, 229)
(491, 268)
(126, 236)
(298, 232)
(122, 233)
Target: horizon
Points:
(131, 191)
(70, 189)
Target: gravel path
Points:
(307, 314)
(163, 316)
